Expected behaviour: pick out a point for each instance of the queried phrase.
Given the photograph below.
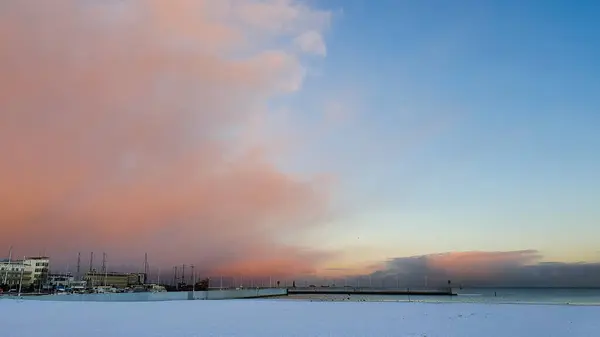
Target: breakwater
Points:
(371, 291)
(224, 294)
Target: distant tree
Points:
(202, 284)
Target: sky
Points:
(309, 138)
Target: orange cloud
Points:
(122, 123)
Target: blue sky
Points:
(442, 126)
(475, 121)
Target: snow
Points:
(266, 318)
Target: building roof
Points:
(11, 261)
(21, 260)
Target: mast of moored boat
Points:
(21, 280)
(9, 258)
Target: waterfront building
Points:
(113, 279)
(78, 286)
(39, 267)
(14, 272)
(60, 280)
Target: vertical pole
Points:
(175, 278)
(21, 281)
(67, 282)
(146, 268)
(91, 260)
(103, 263)
(9, 260)
(193, 284)
(78, 276)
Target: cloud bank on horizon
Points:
(522, 268)
(130, 126)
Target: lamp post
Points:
(193, 283)
(21, 280)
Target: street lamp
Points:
(193, 283)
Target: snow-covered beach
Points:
(266, 318)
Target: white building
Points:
(14, 272)
(39, 267)
(60, 280)
(34, 270)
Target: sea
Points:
(563, 296)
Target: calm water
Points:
(479, 295)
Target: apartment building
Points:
(39, 267)
(14, 272)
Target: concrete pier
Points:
(371, 291)
(224, 294)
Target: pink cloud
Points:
(121, 130)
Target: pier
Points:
(370, 291)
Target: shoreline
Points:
(272, 317)
(303, 298)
